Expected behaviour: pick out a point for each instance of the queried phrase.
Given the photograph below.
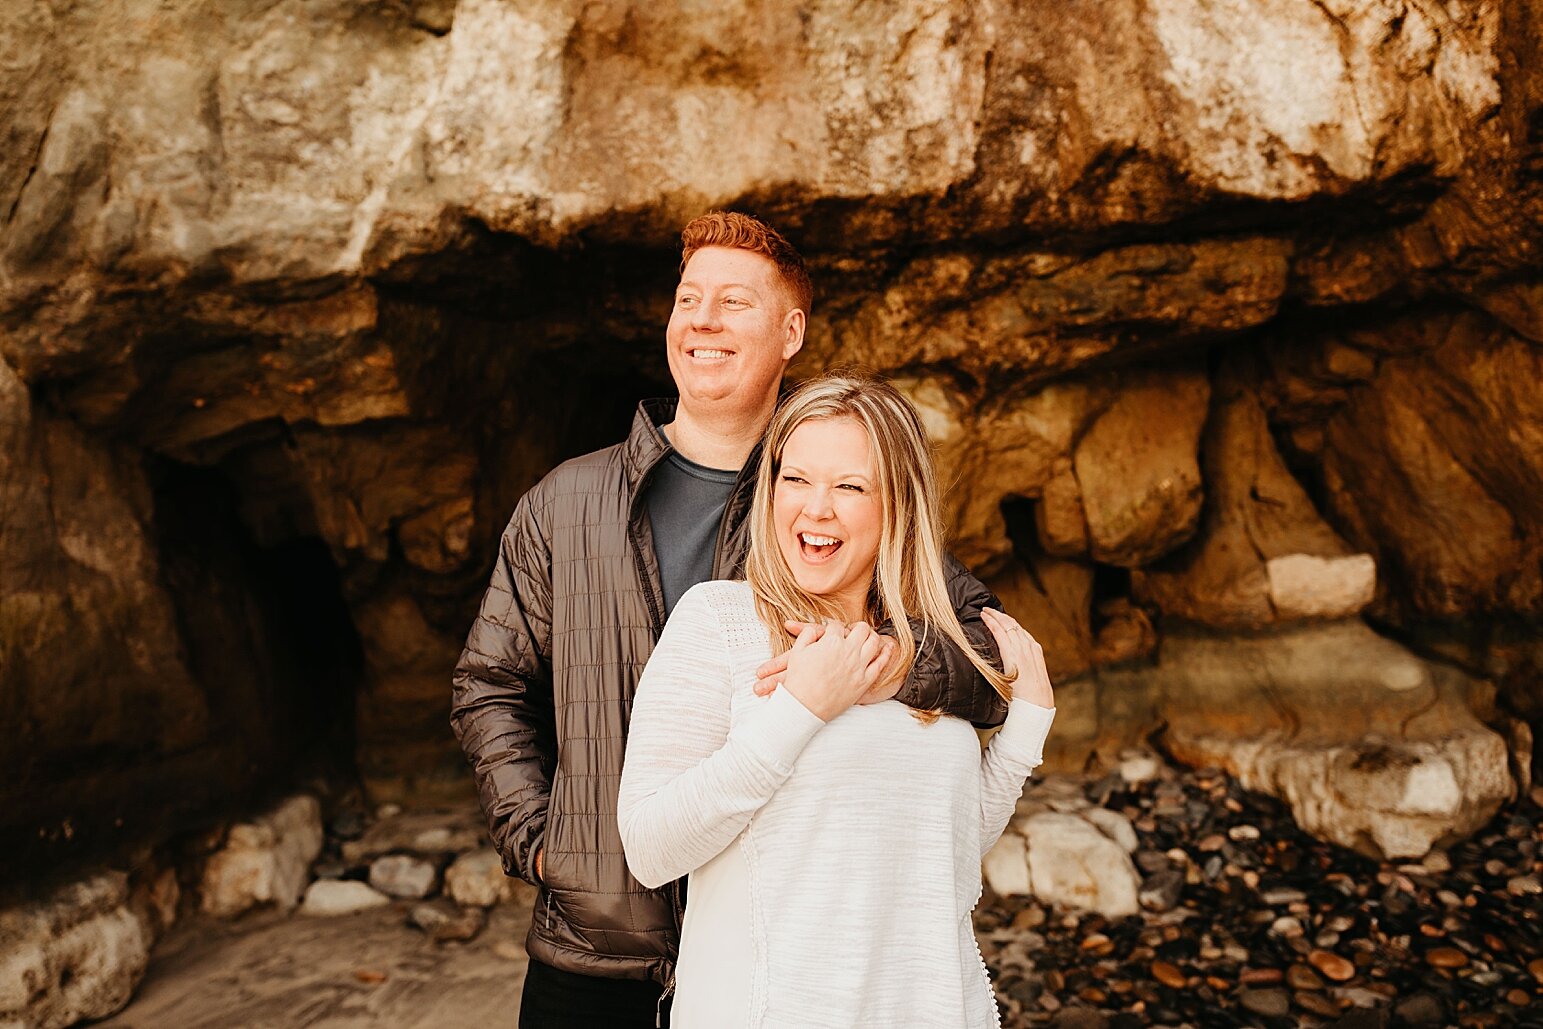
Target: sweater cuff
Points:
(779, 731)
(1026, 728)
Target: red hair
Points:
(743, 232)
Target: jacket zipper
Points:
(549, 910)
(669, 988)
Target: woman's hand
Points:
(769, 676)
(830, 671)
(1021, 655)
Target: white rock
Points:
(1006, 866)
(265, 861)
(477, 879)
(402, 875)
(340, 897)
(1305, 586)
(1138, 767)
(1115, 826)
(1074, 865)
(76, 954)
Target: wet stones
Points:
(1272, 927)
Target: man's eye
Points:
(685, 301)
(733, 302)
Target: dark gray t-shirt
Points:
(685, 504)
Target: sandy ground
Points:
(366, 971)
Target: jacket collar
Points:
(646, 445)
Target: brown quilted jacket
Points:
(543, 693)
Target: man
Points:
(594, 558)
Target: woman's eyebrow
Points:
(849, 475)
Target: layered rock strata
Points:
(1226, 318)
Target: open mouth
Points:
(710, 354)
(817, 549)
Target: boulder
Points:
(477, 879)
(402, 875)
(329, 897)
(264, 861)
(1074, 865)
(73, 955)
(1371, 746)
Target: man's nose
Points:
(705, 317)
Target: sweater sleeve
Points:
(690, 783)
(1014, 752)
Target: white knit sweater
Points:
(833, 865)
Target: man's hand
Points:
(1022, 658)
(769, 675)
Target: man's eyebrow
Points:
(688, 284)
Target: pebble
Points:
(1436, 861)
(1316, 1003)
(1169, 975)
(1270, 1003)
(1422, 1009)
(1332, 965)
(1518, 998)
(1535, 966)
(1261, 976)
(1161, 890)
(1286, 925)
(446, 922)
(1446, 957)
(1300, 977)
(1524, 885)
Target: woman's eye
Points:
(850, 486)
(791, 478)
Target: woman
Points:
(834, 850)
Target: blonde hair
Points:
(909, 581)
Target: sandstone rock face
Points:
(75, 954)
(265, 861)
(1226, 319)
(1063, 859)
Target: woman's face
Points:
(827, 513)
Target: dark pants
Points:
(555, 999)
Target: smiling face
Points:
(827, 513)
(732, 332)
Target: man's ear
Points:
(795, 323)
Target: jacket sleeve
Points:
(501, 705)
(690, 781)
(942, 677)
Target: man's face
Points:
(731, 333)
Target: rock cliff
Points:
(1227, 318)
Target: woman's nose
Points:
(817, 503)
